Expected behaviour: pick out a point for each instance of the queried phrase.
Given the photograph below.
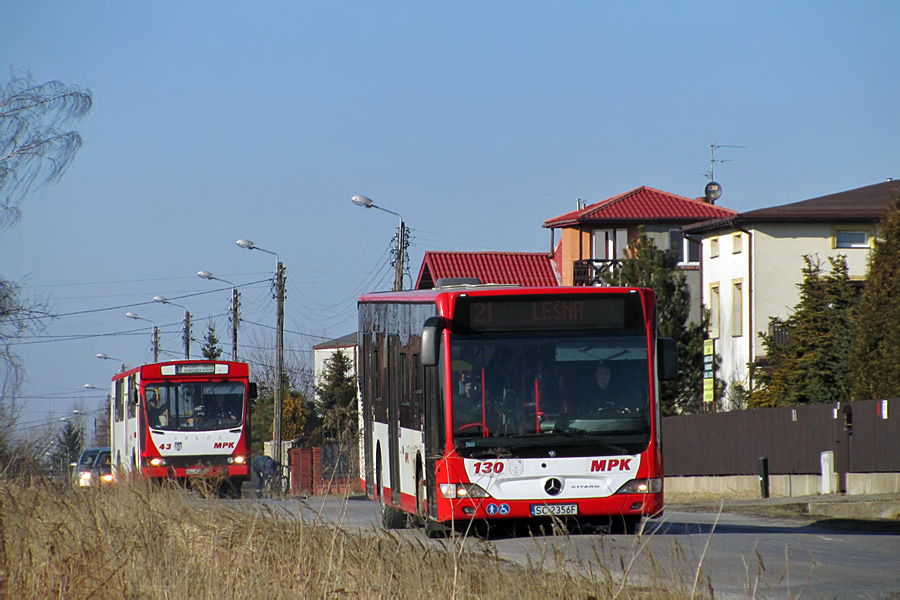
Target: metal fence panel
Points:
(791, 437)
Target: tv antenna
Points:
(713, 160)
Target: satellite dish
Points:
(712, 192)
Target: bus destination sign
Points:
(194, 369)
(607, 311)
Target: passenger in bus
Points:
(157, 416)
(467, 408)
(222, 410)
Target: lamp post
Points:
(279, 347)
(103, 356)
(187, 324)
(402, 242)
(132, 315)
(235, 304)
(81, 413)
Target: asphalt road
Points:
(741, 555)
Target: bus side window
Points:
(132, 399)
(119, 401)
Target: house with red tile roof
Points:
(594, 237)
(753, 261)
(522, 268)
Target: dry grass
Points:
(145, 541)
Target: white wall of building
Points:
(322, 355)
(766, 265)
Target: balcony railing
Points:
(593, 271)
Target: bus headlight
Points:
(158, 461)
(237, 460)
(462, 490)
(641, 486)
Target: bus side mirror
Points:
(251, 392)
(667, 358)
(431, 340)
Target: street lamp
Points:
(279, 347)
(132, 315)
(235, 303)
(187, 324)
(81, 413)
(402, 243)
(103, 356)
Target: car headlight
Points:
(462, 490)
(108, 478)
(85, 478)
(642, 486)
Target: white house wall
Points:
(723, 271)
(780, 248)
(775, 253)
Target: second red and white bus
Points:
(183, 419)
(485, 403)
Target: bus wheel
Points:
(391, 517)
(421, 504)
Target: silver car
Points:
(83, 469)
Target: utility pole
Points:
(400, 261)
(155, 344)
(402, 239)
(187, 335)
(279, 362)
(235, 303)
(279, 351)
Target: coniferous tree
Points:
(812, 364)
(876, 346)
(69, 444)
(650, 266)
(337, 399)
(211, 350)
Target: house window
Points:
(737, 309)
(849, 238)
(737, 243)
(686, 249)
(713, 247)
(714, 311)
(604, 244)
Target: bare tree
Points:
(35, 149)
(297, 373)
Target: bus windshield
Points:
(525, 394)
(194, 406)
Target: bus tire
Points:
(421, 517)
(391, 517)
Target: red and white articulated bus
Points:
(488, 403)
(182, 419)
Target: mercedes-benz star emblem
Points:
(553, 486)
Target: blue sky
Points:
(476, 121)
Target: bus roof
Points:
(235, 369)
(431, 295)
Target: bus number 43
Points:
(488, 468)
